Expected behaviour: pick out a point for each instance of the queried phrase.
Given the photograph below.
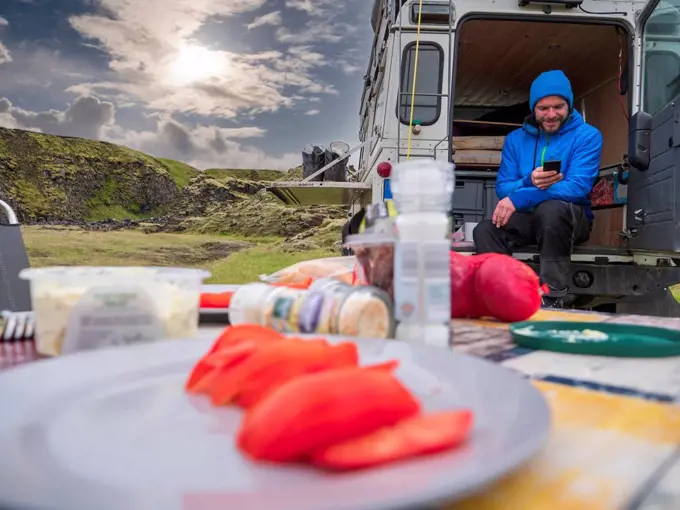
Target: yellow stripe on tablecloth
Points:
(541, 315)
(647, 420)
(556, 315)
(602, 448)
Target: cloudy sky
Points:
(215, 83)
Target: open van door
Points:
(653, 217)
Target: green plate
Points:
(599, 339)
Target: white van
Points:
(476, 62)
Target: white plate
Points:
(114, 429)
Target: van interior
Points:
(496, 62)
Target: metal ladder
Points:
(442, 95)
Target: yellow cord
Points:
(413, 87)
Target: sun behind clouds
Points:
(195, 63)
(120, 64)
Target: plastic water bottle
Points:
(422, 191)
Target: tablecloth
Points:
(615, 438)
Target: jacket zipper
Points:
(545, 148)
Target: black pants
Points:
(554, 225)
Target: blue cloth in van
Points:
(577, 145)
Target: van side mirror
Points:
(639, 138)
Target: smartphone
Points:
(552, 166)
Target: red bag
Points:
(508, 288)
(465, 302)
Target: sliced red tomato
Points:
(239, 332)
(420, 435)
(200, 370)
(268, 365)
(208, 369)
(317, 410)
(314, 360)
(247, 336)
(388, 366)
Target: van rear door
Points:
(653, 217)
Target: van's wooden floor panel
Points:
(578, 250)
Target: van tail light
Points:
(384, 169)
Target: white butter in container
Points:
(86, 307)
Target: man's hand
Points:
(503, 211)
(544, 180)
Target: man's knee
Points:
(551, 208)
(485, 229)
(552, 213)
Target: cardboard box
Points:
(607, 228)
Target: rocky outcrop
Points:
(61, 181)
(262, 216)
(50, 178)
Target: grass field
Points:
(229, 259)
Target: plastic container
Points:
(281, 309)
(328, 307)
(425, 225)
(422, 185)
(374, 260)
(422, 291)
(423, 192)
(86, 307)
(245, 305)
(366, 312)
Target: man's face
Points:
(551, 112)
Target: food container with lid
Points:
(328, 307)
(87, 307)
(366, 312)
(374, 260)
(246, 305)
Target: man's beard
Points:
(558, 123)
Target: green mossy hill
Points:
(99, 185)
(180, 172)
(256, 175)
(239, 207)
(47, 177)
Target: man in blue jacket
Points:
(550, 209)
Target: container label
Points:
(293, 324)
(310, 312)
(329, 322)
(110, 316)
(281, 313)
(422, 282)
(437, 284)
(406, 284)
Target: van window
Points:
(662, 80)
(428, 81)
(661, 57)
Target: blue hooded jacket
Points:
(577, 144)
